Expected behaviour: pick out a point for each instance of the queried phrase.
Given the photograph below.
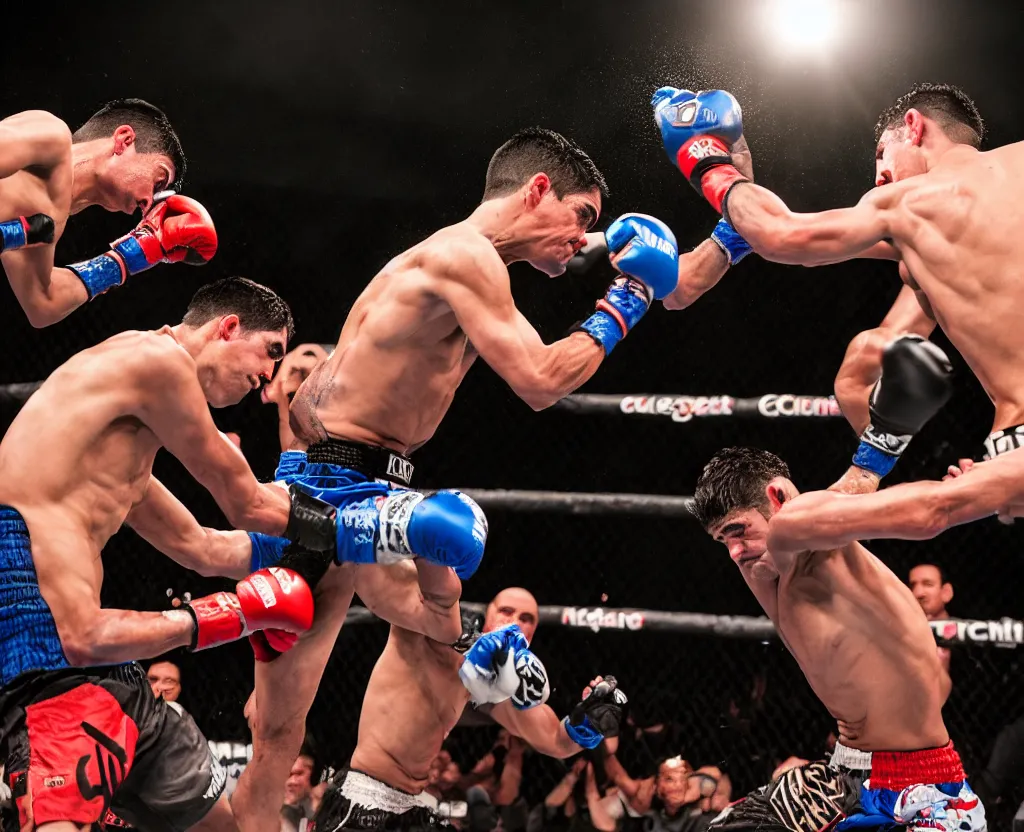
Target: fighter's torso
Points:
(958, 228)
(413, 699)
(399, 360)
(37, 191)
(866, 650)
(75, 459)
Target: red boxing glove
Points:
(267, 645)
(273, 599)
(176, 230)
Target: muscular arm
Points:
(862, 364)
(38, 141)
(637, 792)
(161, 520)
(822, 520)
(539, 726)
(91, 635)
(172, 405)
(476, 285)
(423, 598)
(780, 235)
(699, 271)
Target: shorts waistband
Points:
(898, 770)
(1003, 441)
(370, 793)
(372, 460)
(845, 758)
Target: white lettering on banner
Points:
(680, 408)
(1007, 632)
(598, 619)
(785, 404)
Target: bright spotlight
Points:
(803, 26)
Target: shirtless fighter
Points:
(123, 158)
(408, 342)
(76, 464)
(416, 694)
(865, 648)
(947, 211)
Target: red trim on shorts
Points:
(898, 770)
(81, 748)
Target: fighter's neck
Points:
(84, 184)
(499, 220)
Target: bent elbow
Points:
(79, 649)
(673, 303)
(40, 317)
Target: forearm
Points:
(46, 297)
(563, 366)
(782, 236)
(856, 481)
(599, 817)
(618, 775)
(251, 505)
(114, 636)
(699, 271)
(560, 793)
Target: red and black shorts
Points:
(78, 746)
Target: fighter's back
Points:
(75, 454)
(401, 355)
(866, 649)
(959, 231)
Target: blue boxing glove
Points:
(500, 666)
(650, 271)
(597, 715)
(698, 131)
(729, 240)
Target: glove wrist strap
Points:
(717, 180)
(604, 328)
(218, 619)
(878, 451)
(135, 257)
(100, 274)
(584, 734)
(730, 242)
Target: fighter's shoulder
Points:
(39, 127)
(152, 354)
(463, 254)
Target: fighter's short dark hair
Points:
(536, 150)
(153, 131)
(258, 308)
(735, 479)
(948, 106)
(943, 574)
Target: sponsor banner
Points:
(1006, 632)
(598, 618)
(680, 408)
(786, 404)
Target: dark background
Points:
(326, 137)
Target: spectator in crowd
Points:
(671, 800)
(165, 679)
(298, 806)
(932, 589)
(295, 369)
(578, 803)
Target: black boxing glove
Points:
(597, 715)
(311, 522)
(916, 382)
(594, 251)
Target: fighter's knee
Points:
(449, 528)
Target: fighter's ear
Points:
(946, 593)
(124, 137)
(913, 121)
(537, 188)
(229, 327)
(776, 493)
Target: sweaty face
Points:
(165, 680)
(232, 366)
(926, 584)
(560, 226)
(512, 606)
(896, 157)
(129, 179)
(744, 532)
